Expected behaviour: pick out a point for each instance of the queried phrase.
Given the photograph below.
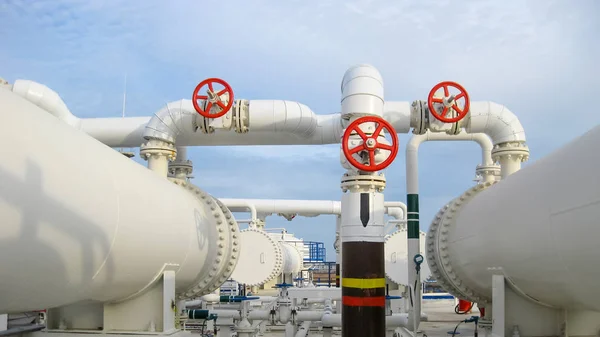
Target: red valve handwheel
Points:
(216, 100)
(370, 143)
(461, 113)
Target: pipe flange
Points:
(241, 115)
(235, 241)
(363, 182)
(438, 256)
(156, 147)
(518, 150)
(185, 166)
(487, 170)
(227, 246)
(419, 115)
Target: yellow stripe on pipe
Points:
(363, 283)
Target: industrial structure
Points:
(94, 243)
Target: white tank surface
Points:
(79, 221)
(292, 258)
(396, 257)
(539, 227)
(263, 257)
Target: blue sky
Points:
(539, 58)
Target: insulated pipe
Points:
(45, 98)
(412, 188)
(363, 226)
(307, 208)
(129, 131)
(395, 209)
(82, 219)
(539, 228)
(241, 205)
(303, 329)
(272, 122)
(292, 258)
(284, 206)
(362, 92)
(505, 130)
(496, 121)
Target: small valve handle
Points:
(448, 101)
(369, 143)
(212, 98)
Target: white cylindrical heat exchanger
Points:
(292, 258)
(80, 221)
(539, 228)
(396, 257)
(263, 257)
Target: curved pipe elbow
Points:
(396, 209)
(174, 119)
(240, 205)
(46, 99)
(482, 139)
(496, 121)
(362, 91)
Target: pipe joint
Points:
(510, 155)
(174, 119)
(358, 183)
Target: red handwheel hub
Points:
(370, 143)
(448, 101)
(212, 97)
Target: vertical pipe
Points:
(412, 217)
(363, 274)
(338, 251)
(159, 164)
(412, 202)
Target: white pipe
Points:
(129, 131)
(292, 258)
(496, 121)
(282, 116)
(241, 205)
(539, 228)
(412, 188)
(116, 131)
(284, 206)
(83, 219)
(303, 329)
(174, 119)
(272, 122)
(45, 98)
(307, 208)
(362, 91)
(395, 209)
(412, 153)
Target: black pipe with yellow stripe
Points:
(363, 289)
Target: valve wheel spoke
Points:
(444, 104)
(369, 144)
(212, 98)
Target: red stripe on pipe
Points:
(353, 301)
